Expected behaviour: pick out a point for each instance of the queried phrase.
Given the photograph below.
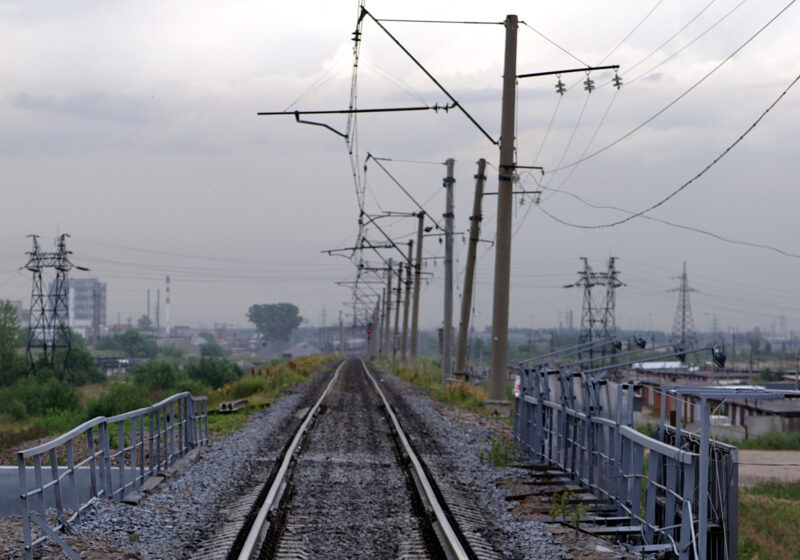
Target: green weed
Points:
(561, 509)
(769, 515)
(501, 453)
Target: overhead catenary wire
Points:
(682, 95)
(556, 45)
(683, 48)
(693, 179)
(441, 21)
(430, 76)
(629, 68)
(632, 31)
(676, 225)
(402, 188)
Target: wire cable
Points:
(673, 224)
(632, 31)
(682, 95)
(679, 51)
(427, 73)
(678, 32)
(693, 179)
(556, 45)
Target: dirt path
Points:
(756, 466)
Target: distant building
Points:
(87, 304)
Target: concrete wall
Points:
(755, 426)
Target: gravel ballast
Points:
(176, 517)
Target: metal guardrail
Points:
(583, 425)
(148, 441)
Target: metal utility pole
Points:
(381, 319)
(375, 334)
(502, 261)
(387, 315)
(466, 297)
(417, 289)
(341, 332)
(447, 340)
(397, 312)
(406, 302)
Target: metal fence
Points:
(583, 424)
(116, 454)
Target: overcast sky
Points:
(132, 126)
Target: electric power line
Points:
(690, 181)
(681, 96)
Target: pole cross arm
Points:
(570, 71)
(436, 108)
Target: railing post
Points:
(121, 458)
(106, 447)
(57, 484)
(190, 422)
(71, 476)
(152, 448)
(205, 419)
(686, 538)
(92, 461)
(26, 520)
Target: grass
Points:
(261, 389)
(501, 453)
(462, 395)
(769, 515)
(789, 441)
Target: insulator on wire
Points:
(560, 87)
(588, 84)
(617, 81)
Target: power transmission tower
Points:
(683, 333)
(49, 323)
(598, 320)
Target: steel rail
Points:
(257, 530)
(453, 543)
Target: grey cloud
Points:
(93, 106)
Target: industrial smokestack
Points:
(166, 314)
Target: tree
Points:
(211, 348)
(144, 323)
(274, 321)
(131, 342)
(12, 364)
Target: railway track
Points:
(348, 485)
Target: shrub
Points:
(249, 386)
(120, 398)
(16, 409)
(59, 421)
(38, 394)
(160, 374)
(213, 372)
(193, 386)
